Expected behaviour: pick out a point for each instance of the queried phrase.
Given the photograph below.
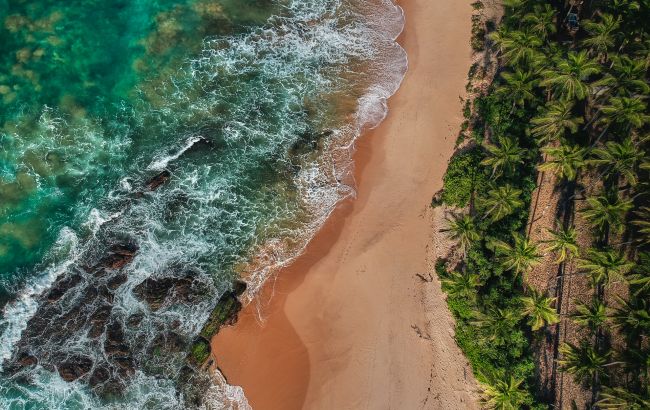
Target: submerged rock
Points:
(158, 180)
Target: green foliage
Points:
(200, 351)
(580, 98)
(464, 174)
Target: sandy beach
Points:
(351, 325)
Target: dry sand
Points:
(349, 325)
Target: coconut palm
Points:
(462, 285)
(569, 78)
(564, 243)
(497, 325)
(618, 398)
(627, 78)
(583, 362)
(517, 86)
(564, 161)
(556, 118)
(632, 317)
(463, 230)
(542, 20)
(501, 202)
(602, 34)
(517, 47)
(642, 223)
(520, 257)
(640, 281)
(624, 111)
(504, 156)
(605, 266)
(604, 213)
(539, 309)
(591, 316)
(620, 158)
(504, 394)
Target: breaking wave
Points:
(243, 154)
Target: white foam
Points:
(158, 164)
(17, 313)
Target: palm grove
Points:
(570, 99)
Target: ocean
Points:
(154, 153)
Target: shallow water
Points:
(250, 108)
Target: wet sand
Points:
(350, 325)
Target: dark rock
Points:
(119, 256)
(74, 367)
(158, 291)
(100, 375)
(134, 320)
(25, 359)
(116, 281)
(61, 286)
(158, 180)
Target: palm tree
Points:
(602, 34)
(462, 285)
(605, 266)
(640, 281)
(554, 121)
(591, 316)
(565, 161)
(517, 47)
(539, 309)
(463, 230)
(504, 394)
(583, 362)
(603, 213)
(628, 77)
(501, 202)
(520, 257)
(642, 224)
(497, 325)
(624, 111)
(517, 86)
(621, 158)
(570, 75)
(563, 242)
(505, 156)
(632, 317)
(541, 21)
(618, 398)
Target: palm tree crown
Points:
(583, 362)
(518, 86)
(621, 158)
(462, 284)
(591, 316)
(565, 161)
(519, 257)
(539, 309)
(504, 394)
(505, 156)
(563, 242)
(569, 77)
(554, 121)
(602, 33)
(605, 266)
(603, 213)
(463, 229)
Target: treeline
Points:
(570, 98)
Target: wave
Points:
(273, 116)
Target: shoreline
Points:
(349, 324)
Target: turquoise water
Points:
(250, 107)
